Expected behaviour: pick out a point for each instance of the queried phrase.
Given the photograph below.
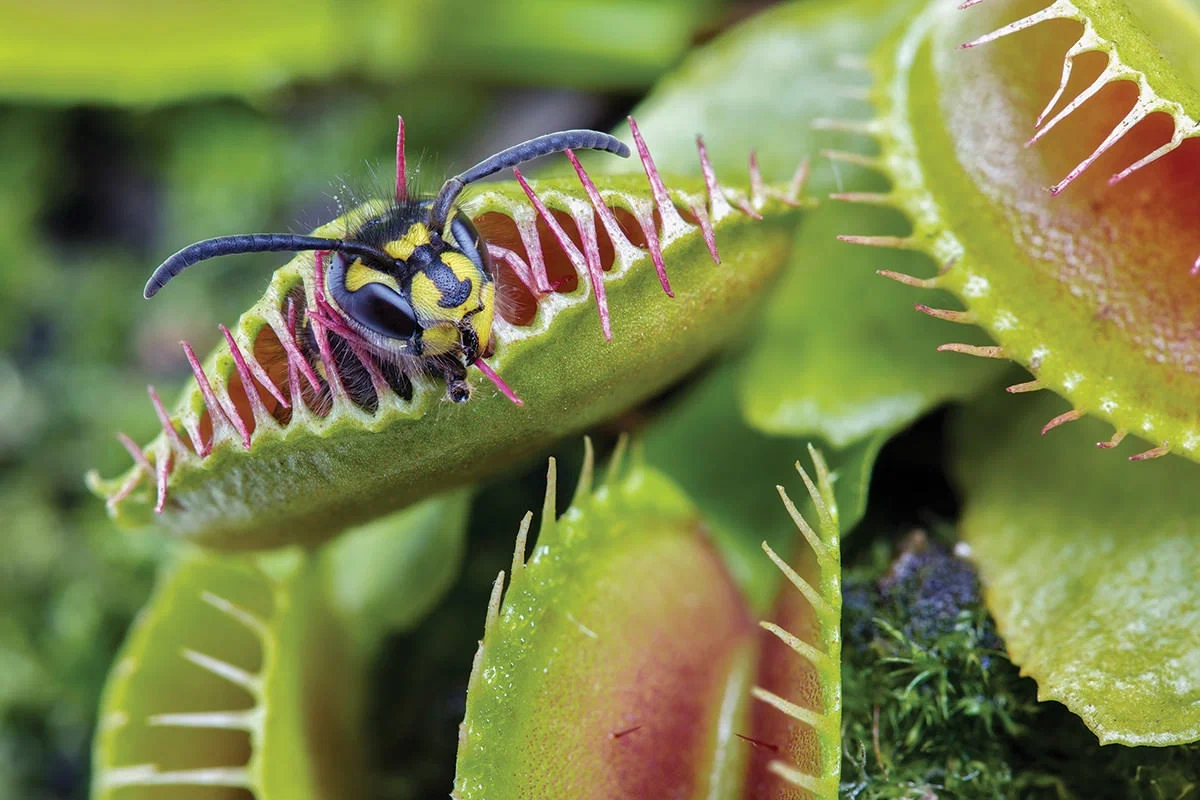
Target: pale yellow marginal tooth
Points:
(518, 559)
(894, 242)
(847, 157)
(799, 646)
(979, 351)
(814, 541)
(865, 127)
(795, 776)
(1062, 419)
(222, 669)
(231, 720)
(1028, 386)
(822, 496)
(493, 607)
(959, 317)
(148, 775)
(798, 713)
(864, 198)
(251, 622)
(1117, 437)
(908, 280)
(805, 588)
(796, 185)
(616, 461)
(1060, 9)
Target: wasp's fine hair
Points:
(516, 155)
(438, 213)
(252, 243)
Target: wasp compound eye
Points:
(381, 309)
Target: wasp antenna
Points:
(516, 155)
(250, 243)
(229, 245)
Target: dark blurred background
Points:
(129, 129)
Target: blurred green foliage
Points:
(140, 51)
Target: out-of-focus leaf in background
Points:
(68, 589)
(149, 52)
(386, 576)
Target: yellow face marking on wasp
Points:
(464, 269)
(425, 298)
(482, 320)
(439, 297)
(359, 275)
(439, 339)
(403, 247)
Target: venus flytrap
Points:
(1041, 153)
(585, 684)
(246, 675)
(1063, 227)
(268, 447)
(236, 681)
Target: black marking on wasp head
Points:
(414, 282)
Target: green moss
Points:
(934, 708)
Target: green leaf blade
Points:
(1090, 567)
